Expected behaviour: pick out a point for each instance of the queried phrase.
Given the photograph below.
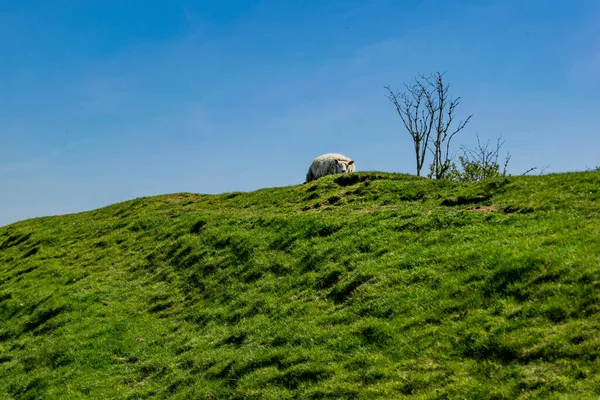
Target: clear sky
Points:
(107, 100)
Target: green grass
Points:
(359, 286)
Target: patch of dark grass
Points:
(60, 359)
(283, 243)
(178, 384)
(301, 374)
(160, 306)
(312, 196)
(328, 278)
(312, 261)
(15, 239)
(252, 276)
(510, 278)
(190, 260)
(349, 179)
(232, 195)
(26, 270)
(412, 195)
(177, 259)
(33, 388)
(6, 334)
(198, 227)
(236, 339)
(42, 316)
(465, 199)
(518, 208)
(5, 296)
(100, 244)
(344, 290)
(354, 178)
(486, 346)
(497, 184)
(173, 250)
(334, 200)
(374, 334)
(31, 252)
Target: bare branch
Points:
(529, 170)
(508, 157)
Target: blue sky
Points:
(107, 100)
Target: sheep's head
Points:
(342, 165)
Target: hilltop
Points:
(365, 285)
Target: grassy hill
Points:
(366, 285)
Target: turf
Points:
(357, 286)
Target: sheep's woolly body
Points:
(328, 164)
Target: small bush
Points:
(479, 163)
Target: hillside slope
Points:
(367, 285)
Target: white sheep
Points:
(328, 164)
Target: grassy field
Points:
(357, 286)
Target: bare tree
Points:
(412, 109)
(443, 108)
(427, 113)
